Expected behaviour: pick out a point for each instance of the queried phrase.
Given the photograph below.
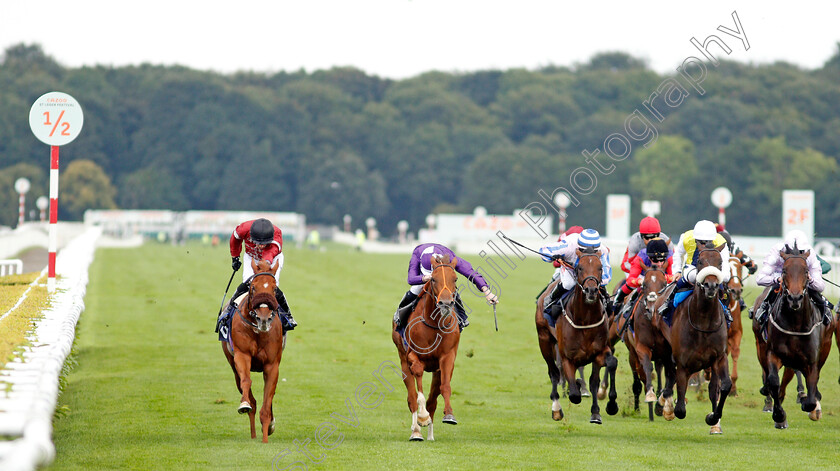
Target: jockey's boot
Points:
(823, 305)
(761, 315)
(618, 301)
(724, 300)
(553, 297)
(405, 308)
(240, 290)
(289, 322)
(461, 311)
(743, 304)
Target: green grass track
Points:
(152, 390)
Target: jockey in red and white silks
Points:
(271, 249)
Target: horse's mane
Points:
(264, 298)
(795, 250)
(588, 249)
(441, 258)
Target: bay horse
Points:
(795, 338)
(697, 336)
(646, 343)
(736, 330)
(431, 344)
(256, 344)
(580, 337)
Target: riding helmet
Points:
(262, 232)
(657, 249)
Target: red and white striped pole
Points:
(21, 208)
(53, 240)
(21, 186)
(722, 216)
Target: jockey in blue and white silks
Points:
(566, 250)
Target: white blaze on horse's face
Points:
(265, 285)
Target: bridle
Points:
(578, 270)
(453, 290)
(252, 313)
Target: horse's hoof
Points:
(584, 392)
(650, 396)
(612, 408)
(816, 414)
(574, 398)
(715, 430)
(595, 419)
(781, 425)
(779, 416)
(763, 391)
(557, 414)
(450, 419)
(424, 421)
(416, 437)
(602, 393)
(271, 427)
(657, 409)
(711, 421)
(668, 410)
(244, 408)
(768, 405)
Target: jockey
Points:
(420, 272)
(566, 251)
(736, 251)
(648, 230)
(263, 241)
(685, 259)
(656, 254)
(771, 274)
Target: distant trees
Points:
(340, 141)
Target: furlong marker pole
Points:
(53, 240)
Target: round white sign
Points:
(22, 185)
(56, 118)
(721, 197)
(562, 199)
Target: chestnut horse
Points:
(697, 336)
(256, 344)
(646, 343)
(795, 338)
(432, 335)
(580, 337)
(736, 330)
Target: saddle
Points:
(553, 311)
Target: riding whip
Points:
(225, 295)
(831, 282)
(495, 319)
(555, 257)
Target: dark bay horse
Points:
(432, 335)
(697, 336)
(646, 342)
(795, 338)
(580, 337)
(257, 345)
(736, 330)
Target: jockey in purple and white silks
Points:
(420, 271)
(771, 275)
(566, 250)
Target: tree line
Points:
(340, 141)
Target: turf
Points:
(152, 389)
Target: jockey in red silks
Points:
(656, 254)
(649, 229)
(771, 275)
(263, 241)
(420, 272)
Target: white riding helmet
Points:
(705, 230)
(798, 238)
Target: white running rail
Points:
(11, 267)
(30, 393)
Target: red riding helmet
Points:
(719, 227)
(649, 225)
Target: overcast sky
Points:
(402, 38)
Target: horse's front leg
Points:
(772, 385)
(447, 368)
(247, 403)
(682, 384)
(574, 388)
(411, 397)
(594, 381)
(612, 365)
(270, 374)
(812, 376)
(722, 388)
